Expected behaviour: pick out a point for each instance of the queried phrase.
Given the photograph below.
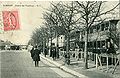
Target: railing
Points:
(101, 60)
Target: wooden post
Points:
(100, 61)
(81, 54)
(112, 59)
(115, 59)
(107, 63)
(96, 61)
(94, 57)
(115, 66)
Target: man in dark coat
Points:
(67, 58)
(46, 51)
(32, 52)
(36, 56)
(54, 53)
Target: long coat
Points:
(46, 51)
(36, 56)
(32, 52)
(54, 53)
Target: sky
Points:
(30, 18)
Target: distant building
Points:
(103, 39)
(5, 45)
(61, 40)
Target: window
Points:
(98, 27)
(91, 45)
(53, 44)
(94, 29)
(98, 44)
(102, 27)
(91, 30)
(107, 26)
(88, 44)
(83, 32)
(77, 31)
(102, 43)
(113, 26)
(94, 44)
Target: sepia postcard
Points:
(60, 39)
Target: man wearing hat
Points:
(36, 56)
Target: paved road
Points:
(18, 64)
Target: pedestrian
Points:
(46, 51)
(67, 58)
(36, 56)
(53, 53)
(32, 52)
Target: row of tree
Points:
(63, 17)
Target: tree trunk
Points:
(67, 49)
(50, 46)
(47, 42)
(44, 44)
(68, 44)
(47, 46)
(86, 50)
(57, 45)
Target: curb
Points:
(65, 68)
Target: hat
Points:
(35, 46)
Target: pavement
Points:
(19, 64)
(76, 68)
(62, 67)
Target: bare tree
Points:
(40, 37)
(91, 12)
(66, 15)
(52, 23)
(49, 26)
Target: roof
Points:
(3, 43)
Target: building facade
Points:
(102, 37)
